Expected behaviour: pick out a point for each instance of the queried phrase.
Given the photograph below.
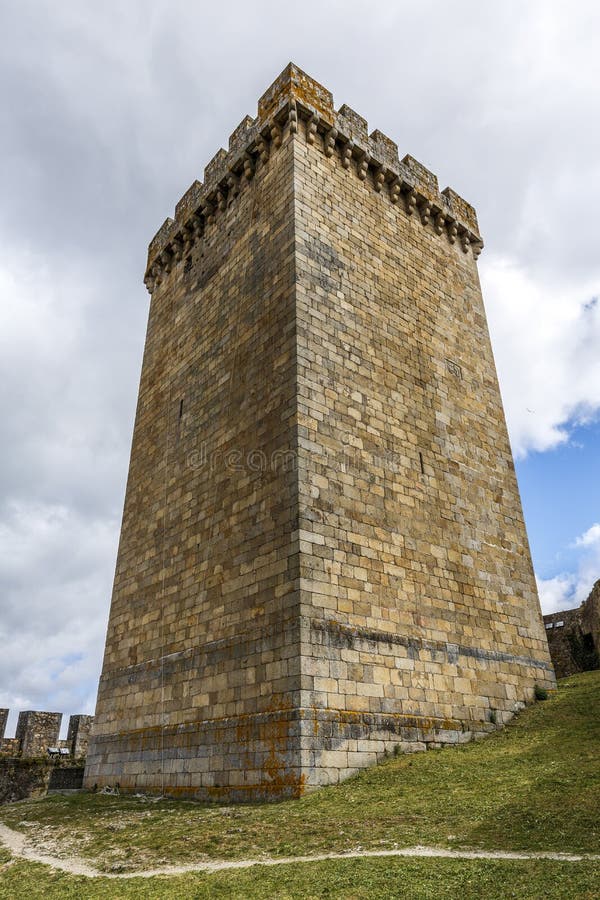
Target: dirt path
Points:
(19, 846)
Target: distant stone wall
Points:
(22, 779)
(591, 615)
(27, 769)
(574, 636)
(38, 730)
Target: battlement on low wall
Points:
(294, 102)
(38, 731)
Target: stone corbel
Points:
(196, 223)
(177, 249)
(156, 274)
(425, 211)
(189, 237)
(221, 200)
(347, 154)
(363, 166)
(208, 211)
(452, 232)
(276, 135)
(395, 188)
(411, 201)
(329, 143)
(248, 167)
(465, 242)
(262, 147)
(293, 117)
(477, 248)
(311, 129)
(233, 185)
(167, 260)
(378, 179)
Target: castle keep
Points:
(323, 553)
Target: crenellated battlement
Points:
(296, 103)
(38, 731)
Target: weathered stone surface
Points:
(295, 84)
(78, 735)
(21, 779)
(574, 636)
(66, 778)
(36, 731)
(323, 553)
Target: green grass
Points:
(533, 786)
(363, 879)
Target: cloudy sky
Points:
(109, 111)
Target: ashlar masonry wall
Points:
(200, 685)
(323, 553)
(420, 618)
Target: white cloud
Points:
(568, 589)
(556, 593)
(55, 572)
(589, 538)
(64, 458)
(546, 337)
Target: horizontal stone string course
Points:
(213, 653)
(374, 159)
(297, 713)
(345, 635)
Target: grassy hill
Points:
(533, 786)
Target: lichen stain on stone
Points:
(296, 84)
(273, 737)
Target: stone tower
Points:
(323, 553)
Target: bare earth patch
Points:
(20, 846)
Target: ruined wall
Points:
(323, 552)
(574, 636)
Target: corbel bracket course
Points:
(295, 95)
